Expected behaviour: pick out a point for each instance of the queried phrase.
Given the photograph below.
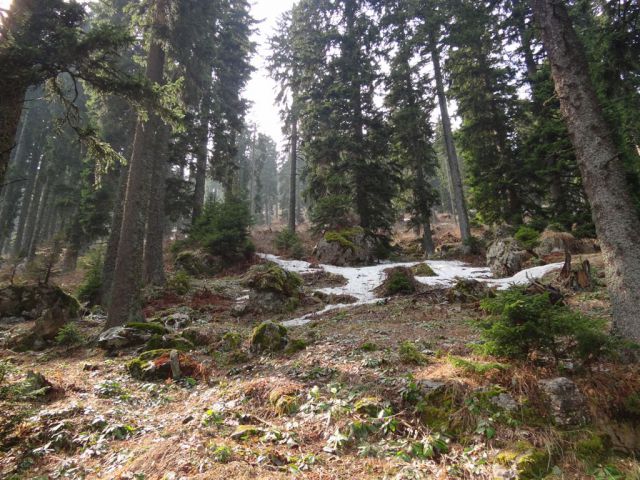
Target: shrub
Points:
(332, 213)
(69, 335)
(527, 237)
(179, 282)
(289, 243)
(399, 281)
(91, 288)
(223, 230)
(410, 354)
(520, 323)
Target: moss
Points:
(269, 277)
(230, 341)
(137, 367)
(151, 327)
(344, 237)
(368, 347)
(196, 337)
(436, 418)
(369, 406)
(268, 337)
(410, 354)
(171, 342)
(529, 462)
(593, 449)
(295, 346)
(632, 405)
(423, 270)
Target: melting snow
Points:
(361, 281)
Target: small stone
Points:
(187, 419)
(90, 368)
(116, 338)
(243, 432)
(505, 402)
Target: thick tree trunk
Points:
(616, 220)
(10, 111)
(452, 156)
(202, 157)
(153, 249)
(74, 241)
(427, 239)
(111, 253)
(128, 274)
(293, 163)
(27, 196)
(43, 210)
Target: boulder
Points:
(49, 305)
(505, 257)
(269, 277)
(116, 338)
(198, 263)
(346, 247)
(555, 242)
(268, 337)
(565, 401)
(163, 364)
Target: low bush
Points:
(69, 335)
(90, 289)
(520, 323)
(223, 230)
(179, 282)
(527, 237)
(288, 243)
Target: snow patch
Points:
(361, 281)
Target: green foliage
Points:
(332, 212)
(90, 289)
(223, 230)
(472, 366)
(179, 282)
(520, 323)
(295, 345)
(289, 243)
(221, 454)
(409, 353)
(423, 270)
(399, 281)
(527, 237)
(69, 335)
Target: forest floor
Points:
(387, 390)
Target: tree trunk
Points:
(202, 157)
(427, 239)
(293, 173)
(452, 156)
(27, 196)
(10, 111)
(128, 274)
(32, 215)
(153, 249)
(616, 220)
(43, 210)
(111, 253)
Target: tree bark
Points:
(202, 159)
(616, 220)
(36, 238)
(111, 253)
(153, 249)
(293, 173)
(32, 214)
(452, 156)
(128, 274)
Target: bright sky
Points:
(261, 89)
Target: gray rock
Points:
(505, 402)
(177, 321)
(120, 337)
(505, 257)
(359, 251)
(555, 242)
(566, 403)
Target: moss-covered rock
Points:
(230, 341)
(295, 345)
(150, 327)
(268, 337)
(423, 270)
(269, 277)
(244, 432)
(351, 246)
(168, 341)
(198, 263)
(468, 290)
(528, 462)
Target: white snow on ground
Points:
(361, 281)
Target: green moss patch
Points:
(423, 270)
(268, 337)
(269, 277)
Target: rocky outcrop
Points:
(48, 305)
(346, 247)
(565, 401)
(505, 257)
(273, 290)
(555, 242)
